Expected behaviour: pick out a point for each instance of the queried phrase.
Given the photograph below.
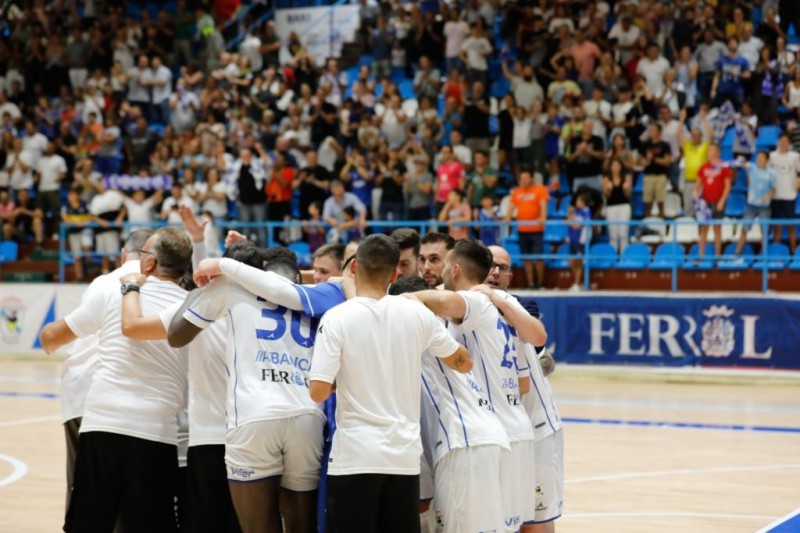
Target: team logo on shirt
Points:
(286, 377)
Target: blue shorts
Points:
(531, 242)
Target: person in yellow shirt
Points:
(695, 154)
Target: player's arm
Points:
(134, 325)
(82, 322)
(326, 361)
(267, 285)
(200, 309)
(529, 329)
(523, 367)
(196, 230)
(446, 304)
(460, 360)
(55, 335)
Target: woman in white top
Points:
(393, 123)
(791, 95)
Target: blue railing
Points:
(508, 237)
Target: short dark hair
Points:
(377, 255)
(407, 284)
(406, 238)
(246, 252)
(474, 258)
(335, 251)
(432, 237)
(173, 251)
(276, 253)
(284, 268)
(136, 240)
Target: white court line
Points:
(694, 406)
(26, 421)
(29, 379)
(679, 472)
(779, 521)
(20, 469)
(670, 513)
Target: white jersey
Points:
(268, 353)
(786, 167)
(139, 387)
(490, 342)
(539, 402)
(456, 412)
(207, 381)
(373, 349)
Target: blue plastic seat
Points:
(694, 263)
(795, 264)
(637, 205)
(158, 129)
(555, 233)
(602, 256)
(9, 251)
(777, 257)
(768, 136)
(406, 89)
(552, 207)
(737, 202)
(797, 206)
(512, 247)
(731, 261)
(635, 256)
(562, 262)
(740, 181)
(728, 138)
(500, 88)
(563, 206)
(668, 255)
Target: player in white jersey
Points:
(127, 450)
(372, 346)
(462, 439)
(475, 320)
(274, 439)
(81, 360)
(547, 426)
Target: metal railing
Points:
(507, 238)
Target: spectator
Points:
(579, 234)
(140, 209)
(360, 176)
(339, 200)
(785, 163)
(51, 171)
(449, 176)
(455, 212)
(686, 72)
(475, 51)
(27, 221)
(279, 193)
(761, 182)
(652, 67)
(33, 142)
(598, 110)
(476, 120)
(427, 79)
(708, 53)
(695, 154)
(391, 180)
(562, 87)
(732, 70)
(523, 123)
(313, 181)
(76, 213)
(714, 180)
(523, 84)
(624, 34)
(482, 181)
(138, 93)
(655, 156)
(248, 175)
(178, 198)
(487, 215)
(19, 165)
(7, 209)
(313, 227)
(617, 190)
(419, 189)
(586, 54)
(529, 209)
(586, 160)
(456, 30)
(107, 210)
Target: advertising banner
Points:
(322, 30)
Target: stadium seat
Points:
(406, 89)
(555, 233)
(635, 256)
(740, 181)
(728, 139)
(654, 230)
(365, 60)
(512, 247)
(795, 264)
(777, 257)
(563, 206)
(500, 88)
(797, 206)
(602, 256)
(667, 255)
(638, 183)
(158, 129)
(303, 252)
(729, 231)
(562, 262)
(694, 263)
(686, 228)
(731, 261)
(637, 205)
(767, 137)
(737, 202)
(673, 207)
(494, 125)
(9, 251)
(352, 76)
(552, 207)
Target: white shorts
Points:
(80, 240)
(468, 493)
(426, 490)
(517, 472)
(287, 447)
(107, 242)
(550, 477)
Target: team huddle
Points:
(404, 390)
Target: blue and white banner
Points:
(322, 30)
(126, 182)
(666, 330)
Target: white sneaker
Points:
(575, 288)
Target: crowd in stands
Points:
(467, 114)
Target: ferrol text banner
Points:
(725, 331)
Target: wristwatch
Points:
(128, 287)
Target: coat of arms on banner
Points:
(718, 331)
(11, 309)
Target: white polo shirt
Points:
(539, 402)
(373, 350)
(50, 167)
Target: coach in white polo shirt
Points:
(127, 449)
(51, 170)
(371, 347)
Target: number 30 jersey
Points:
(268, 353)
(490, 343)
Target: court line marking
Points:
(657, 473)
(780, 521)
(692, 406)
(19, 472)
(679, 425)
(670, 513)
(38, 395)
(28, 379)
(32, 420)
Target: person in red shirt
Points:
(529, 203)
(279, 192)
(712, 189)
(449, 176)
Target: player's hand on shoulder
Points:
(134, 277)
(233, 237)
(206, 271)
(484, 289)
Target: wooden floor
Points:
(630, 466)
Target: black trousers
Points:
(71, 429)
(208, 501)
(372, 503)
(117, 475)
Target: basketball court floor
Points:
(646, 451)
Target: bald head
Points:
(500, 274)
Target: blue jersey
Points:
(731, 71)
(760, 182)
(489, 235)
(361, 187)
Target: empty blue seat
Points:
(777, 257)
(728, 138)
(797, 206)
(795, 264)
(637, 205)
(494, 125)
(552, 207)
(158, 129)
(693, 262)
(365, 60)
(638, 183)
(512, 247)
(561, 262)
(740, 181)
(555, 233)
(768, 136)
(731, 261)
(500, 88)
(406, 89)
(737, 202)
(602, 256)
(563, 206)
(668, 255)
(398, 74)
(635, 256)
(9, 251)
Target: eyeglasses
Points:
(503, 269)
(140, 252)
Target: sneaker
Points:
(575, 288)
